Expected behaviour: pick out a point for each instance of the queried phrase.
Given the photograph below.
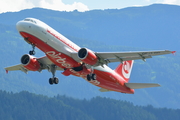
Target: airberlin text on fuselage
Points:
(56, 36)
(58, 58)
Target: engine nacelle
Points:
(30, 62)
(87, 56)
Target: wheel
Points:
(93, 76)
(56, 80)
(32, 52)
(50, 81)
(89, 77)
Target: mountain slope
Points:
(28, 106)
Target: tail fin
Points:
(124, 69)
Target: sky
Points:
(80, 5)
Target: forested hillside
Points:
(130, 29)
(28, 106)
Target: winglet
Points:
(173, 52)
(7, 71)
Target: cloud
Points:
(149, 2)
(59, 5)
(174, 2)
(17, 5)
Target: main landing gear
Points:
(91, 77)
(53, 80)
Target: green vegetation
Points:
(28, 106)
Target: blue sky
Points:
(80, 5)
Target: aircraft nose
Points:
(19, 26)
(22, 26)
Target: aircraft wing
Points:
(124, 56)
(14, 68)
(44, 61)
(108, 57)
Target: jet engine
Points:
(30, 62)
(87, 56)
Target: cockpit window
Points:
(27, 19)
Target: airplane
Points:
(64, 55)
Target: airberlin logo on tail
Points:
(126, 68)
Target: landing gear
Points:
(91, 77)
(32, 52)
(53, 80)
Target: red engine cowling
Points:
(87, 56)
(30, 62)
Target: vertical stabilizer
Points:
(124, 69)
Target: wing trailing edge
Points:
(141, 85)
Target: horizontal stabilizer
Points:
(104, 90)
(141, 85)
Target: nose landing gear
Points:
(32, 52)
